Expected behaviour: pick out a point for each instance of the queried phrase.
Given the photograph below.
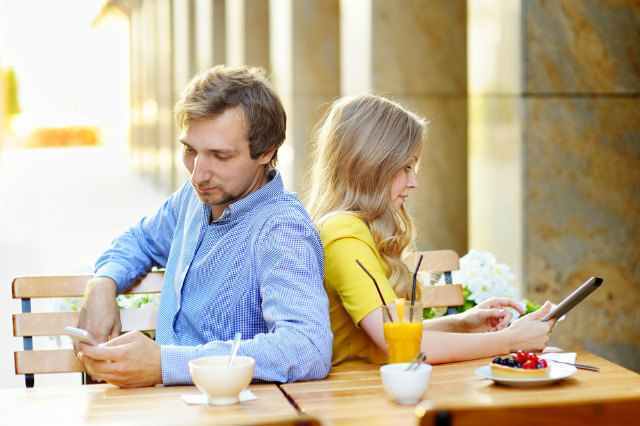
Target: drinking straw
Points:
(384, 304)
(234, 348)
(413, 287)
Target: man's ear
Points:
(265, 157)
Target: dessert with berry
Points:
(519, 365)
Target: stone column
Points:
(416, 55)
(566, 132)
(210, 30)
(3, 118)
(305, 64)
(136, 138)
(164, 87)
(496, 105)
(248, 33)
(184, 68)
(149, 113)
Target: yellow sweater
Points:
(352, 294)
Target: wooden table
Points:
(353, 394)
(106, 404)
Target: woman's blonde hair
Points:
(361, 144)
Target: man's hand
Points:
(99, 314)
(129, 361)
(490, 315)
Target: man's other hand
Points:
(129, 361)
(99, 314)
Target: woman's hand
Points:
(530, 333)
(490, 315)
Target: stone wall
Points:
(555, 158)
(582, 177)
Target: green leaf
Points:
(428, 313)
(531, 306)
(468, 304)
(466, 292)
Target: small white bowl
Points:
(405, 387)
(220, 383)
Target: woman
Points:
(367, 154)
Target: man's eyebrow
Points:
(217, 151)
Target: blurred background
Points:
(533, 151)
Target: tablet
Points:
(574, 298)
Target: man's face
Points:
(216, 153)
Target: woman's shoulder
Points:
(343, 224)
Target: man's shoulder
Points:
(185, 204)
(184, 195)
(284, 212)
(284, 207)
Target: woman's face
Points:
(403, 182)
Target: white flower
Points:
(484, 277)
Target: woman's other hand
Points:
(490, 315)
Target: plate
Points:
(557, 372)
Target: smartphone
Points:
(574, 298)
(80, 335)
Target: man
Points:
(241, 254)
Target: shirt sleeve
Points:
(298, 344)
(356, 290)
(142, 247)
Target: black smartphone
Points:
(574, 298)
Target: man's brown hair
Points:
(219, 88)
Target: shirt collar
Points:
(274, 186)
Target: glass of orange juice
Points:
(403, 331)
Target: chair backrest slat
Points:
(53, 323)
(74, 285)
(48, 361)
(442, 295)
(435, 261)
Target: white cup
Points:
(222, 383)
(405, 387)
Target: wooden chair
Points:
(300, 420)
(439, 261)
(28, 324)
(577, 413)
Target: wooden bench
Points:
(28, 324)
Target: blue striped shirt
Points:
(257, 270)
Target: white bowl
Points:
(220, 383)
(405, 387)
